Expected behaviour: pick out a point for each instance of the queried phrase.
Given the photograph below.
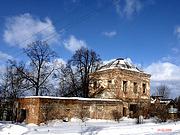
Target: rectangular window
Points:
(144, 87)
(95, 84)
(135, 87)
(109, 83)
(125, 86)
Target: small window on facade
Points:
(95, 84)
(144, 87)
(124, 86)
(68, 109)
(109, 83)
(135, 87)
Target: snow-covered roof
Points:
(72, 98)
(120, 63)
(162, 101)
(153, 101)
(165, 102)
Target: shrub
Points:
(162, 113)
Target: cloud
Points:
(110, 34)
(127, 8)
(165, 73)
(25, 28)
(73, 44)
(4, 56)
(57, 63)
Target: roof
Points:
(161, 100)
(120, 63)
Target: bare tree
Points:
(163, 91)
(68, 85)
(39, 70)
(82, 63)
(160, 111)
(12, 86)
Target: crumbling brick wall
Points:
(132, 87)
(109, 84)
(43, 109)
(31, 108)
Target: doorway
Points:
(22, 115)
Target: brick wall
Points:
(109, 84)
(31, 106)
(42, 109)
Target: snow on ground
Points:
(93, 127)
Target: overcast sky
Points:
(146, 31)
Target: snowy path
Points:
(93, 127)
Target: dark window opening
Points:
(95, 84)
(135, 87)
(125, 86)
(109, 83)
(144, 88)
